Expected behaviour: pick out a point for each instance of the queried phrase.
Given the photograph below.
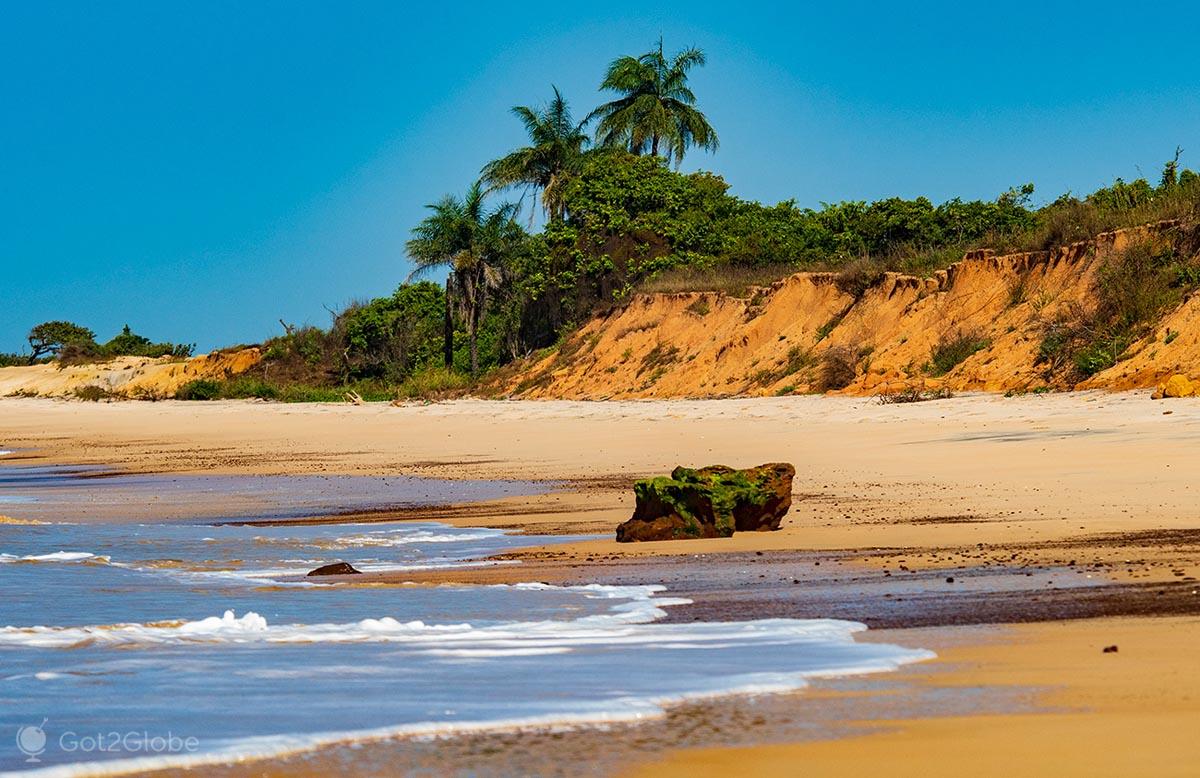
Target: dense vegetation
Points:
(70, 343)
(1134, 287)
(617, 217)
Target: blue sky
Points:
(202, 170)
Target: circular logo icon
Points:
(32, 741)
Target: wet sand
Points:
(1071, 516)
(1125, 713)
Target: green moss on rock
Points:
(709, 502)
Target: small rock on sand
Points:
(337, 568)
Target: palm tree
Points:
(554, 154)
(473, 242)
(656, 109)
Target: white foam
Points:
(56, 556)
(4, 452)
(627, 624)
(39, 676)
(624, 710)
(642, 607)
(408, 537)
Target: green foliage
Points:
(953, 350)
(73, 344)
(474, 242)
(857, 277)
(433, 383)
(49, 338)
(200, 389)
(390, 337)
(16, 360)
(659, 357)
(304, 355)
(92, 393)
(251, 387)
(628, 219)
(1100, 354)
(632, 221)
(1133, 289)
(655, 112)
(128, 343)
(554, 155)
(798, 358)
(371, 349)
(1123, 204)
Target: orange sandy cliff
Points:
(128, 377)
(709, 344)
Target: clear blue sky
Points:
(203, 169)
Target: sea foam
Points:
(630, 623)
(56, 556)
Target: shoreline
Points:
(1064, 518)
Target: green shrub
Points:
(952, 350)
(49, 338)
(828, 327)
(913, 394)
(19, 360)
(839, 368)
(1133, 289)
(247, 387)
(200, 389)
(128, 343)
(390, 337)
(859, 276)
(92, 393)
(1101, 354)
(433, 383)
(659, 357)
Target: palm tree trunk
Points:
(654, 145)
(473, 334)
(477, 298)
(448, 331)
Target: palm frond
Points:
(655, 109)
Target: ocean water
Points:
(128, 646)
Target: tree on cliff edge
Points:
(49, 338)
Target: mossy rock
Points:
(709, 502)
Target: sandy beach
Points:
(1067, 522)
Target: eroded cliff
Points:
(798, 334)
